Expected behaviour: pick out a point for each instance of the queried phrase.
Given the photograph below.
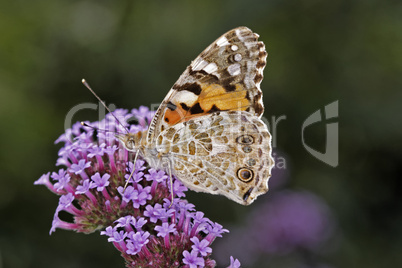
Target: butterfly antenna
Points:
(99, 129)
(104, 105)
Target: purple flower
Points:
(108, 231)
(165, 229)
(215, 230)
(44, 180)
(136, 177)
(127, 194)
(179, 189)
(80, 167)
(144, 191)
(136, 242)
(152, 212)
(66, 200)
(199, 222)
(60, 175)
(139, 199)
(62, 179)
(65, 137)
(154, 175)
(139, 165)
(84, 188)
(186, 206)
(192, 259)
(141, 221)
(57, 223)
(201, 246)
(163, 214)
(97, 150)
(110, 149)
(234, 263)
(117, 236)
(140, 238)
(99, 182)
(143, 115)
(138, 196)
(125, 221)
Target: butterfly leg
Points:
(132, 172)
(171, 182)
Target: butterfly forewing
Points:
(226, 76)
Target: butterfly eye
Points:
(245, 174)
(130, 144)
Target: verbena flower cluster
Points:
(140, 221)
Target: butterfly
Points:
(208, 130)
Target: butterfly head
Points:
(130, 141)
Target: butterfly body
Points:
(207, 131)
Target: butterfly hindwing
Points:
(227, 153)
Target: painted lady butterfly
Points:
(207, 131)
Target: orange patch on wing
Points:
(214, 94)
(213, 97)
(173, 117)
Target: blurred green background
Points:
(132, 52)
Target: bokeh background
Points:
(131, 52)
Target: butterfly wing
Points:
(227, 153)
(208, 127)
(226, 76)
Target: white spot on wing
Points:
(186, 97)
(237, 57)
(211, 67)
(223, 41)
(199, 64)
(244, 38)
(239, 35)
(250, 44)
(234, 69)
(234, 48)
(248, 80)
